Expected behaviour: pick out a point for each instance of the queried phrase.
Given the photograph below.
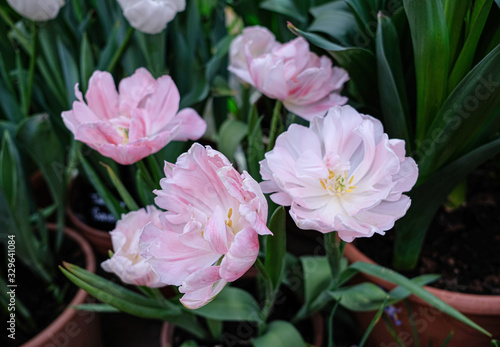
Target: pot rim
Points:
(46, 334)
(473, 304)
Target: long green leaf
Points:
(343, 31)
(87, 63)
(391, 82)
(468, 117)
(70, 70)
(394, 277)
(284, 7)
(426, 199)
(114, 289)
(279, 334)
(317, 277)
(455, 12)
(464, 60)
(232, 304)
(431, 51)
(276, 247)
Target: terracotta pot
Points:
(100, 239)
(72, 328)
(432, 325)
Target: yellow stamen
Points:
(331, 174)
(348, 191)
(323, 184)
(352, 187)
(230, 213)
(230, 223)
(350, 180)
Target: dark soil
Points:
(463, 245)
(39, 297)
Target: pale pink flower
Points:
(126, 261)
(341, 174)
(151, 16)
(139, 120)
(210, 230)
(307, 85)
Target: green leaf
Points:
(396, 278)
(50, 61)
(467, 118)
(426, 199)
(87, 63)
(279, 334)
(232, 304)
(464, 60)
(113, 289)
(276, 247)
(431, 50)
(455, 12)
(391, 84)
(284, 7)
(231, 133)
(317, 277)
(70, 70)
(344, 29)
(361, 297)
(9, 175)
(368, 296)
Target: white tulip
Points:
(37, 10)
(151, 16)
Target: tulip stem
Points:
(120, 50)
(275, 120)
(334, 249)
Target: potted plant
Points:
(434, 65)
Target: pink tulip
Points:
(139, 120)
(210, 230)
(341, 174)
(307, 85)
(126, 261)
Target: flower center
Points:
(124, 134)
(337, 184)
